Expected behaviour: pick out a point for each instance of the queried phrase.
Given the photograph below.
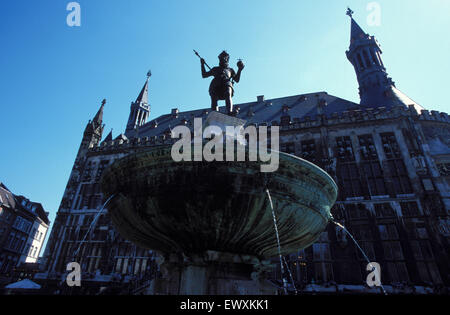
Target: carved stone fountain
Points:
(212, 223)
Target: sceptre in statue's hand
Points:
(221, 87)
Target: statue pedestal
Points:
(213, 273)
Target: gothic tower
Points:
(93, 131)
(365, 55)
(139, 112)
(376, 89)
(91, 138)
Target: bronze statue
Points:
(221, 87)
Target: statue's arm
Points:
(205, 74)
(237, 76)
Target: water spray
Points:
(278, 242)
(359, 247)
(92, 224)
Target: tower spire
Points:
(109, 137)
(143, 96)
(93, 131)
(356, 32)
(140, 110)
(376, 89)
(98, 119)
(365, 55)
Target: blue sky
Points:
(53, 77)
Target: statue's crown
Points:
(223, 54)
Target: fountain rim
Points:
(162, 152)
(306, 163)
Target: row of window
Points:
(32, 251)
(88, 171)
(7, 263)
(382, 210)
(38, 235)
(129, 259)
(369, 179)
(366, 58)
(123, 265)
(344, 148)
(396, 269)
(17, 243)
(22, 224)
(89, 197)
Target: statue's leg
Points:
(214, 106)
(229, 101)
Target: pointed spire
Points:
(98, 119)
(376, 88)
(93, 132)
(140, 110)
(143, 96)
(109, 137)
(356, 31)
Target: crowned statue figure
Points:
(221, 87)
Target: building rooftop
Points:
(301, 107)
(8, 199)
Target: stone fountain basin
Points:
(194, 207)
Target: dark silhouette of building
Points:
(389, 156)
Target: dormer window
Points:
(285, 120)
(323, 102)
(302, 98)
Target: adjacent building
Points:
(23, 228)
(389, 155)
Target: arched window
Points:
(366, 58)
(361, 64)
(374, 57)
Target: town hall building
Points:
(389, 155)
